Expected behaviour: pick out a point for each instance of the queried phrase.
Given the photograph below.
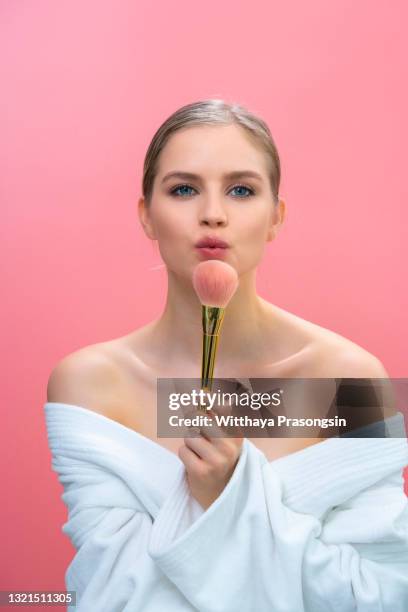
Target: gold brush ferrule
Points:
(212, 317)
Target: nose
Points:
(212, 214)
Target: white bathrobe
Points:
(324, 529)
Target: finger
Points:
(202, 447)
(222, 446)
(192, 462)
(214, 452)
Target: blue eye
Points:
(175, 191)
(244, 187)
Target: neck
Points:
(177, 334)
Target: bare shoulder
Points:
(331, 355)
(325, 353)
(339, 357)
(88, 377)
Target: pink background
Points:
(84, 87)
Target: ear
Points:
(145, 219)
(277, 218)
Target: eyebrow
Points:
(236, 174)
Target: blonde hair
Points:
(211, 112)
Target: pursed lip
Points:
(212, 242)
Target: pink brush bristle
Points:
(215, 282)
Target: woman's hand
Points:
(209, 462)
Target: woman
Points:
(213, 512)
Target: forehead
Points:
(214, 149)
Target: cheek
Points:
(255, 229)
(170, 226)
(175, 234)
(253, 241)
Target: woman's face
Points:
(238, 210)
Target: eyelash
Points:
(174, 189)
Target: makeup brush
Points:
(215, 282)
